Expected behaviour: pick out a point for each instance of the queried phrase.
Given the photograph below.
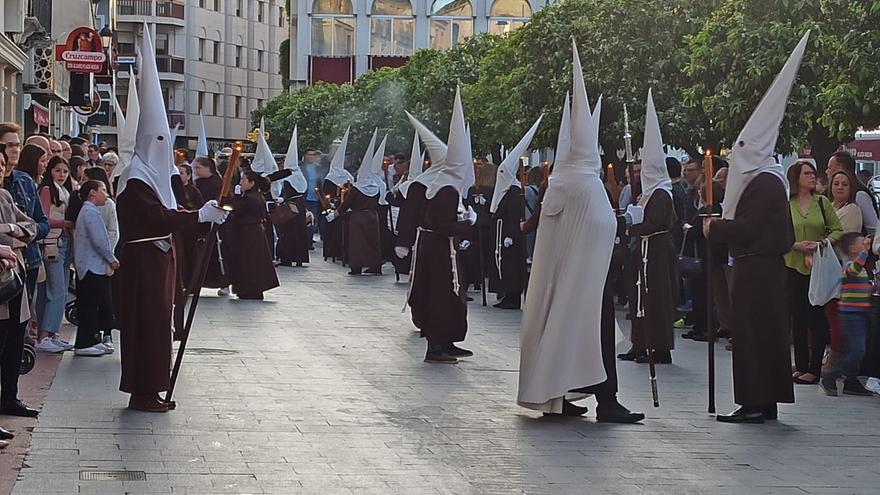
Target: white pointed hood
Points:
(264, 161)
(120, 117)
(366, 182)
(655, 175)
(752, 153)
(583, 157)
(291, 162)
(202, 146)
(416, 165)
(505, 177)
(378, 173)
(153, 161)
(128, 131)
(457, 168)
(337, 173)
(563, 139)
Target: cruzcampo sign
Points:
(83, 53)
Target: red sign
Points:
(83, 52)
(41, 114)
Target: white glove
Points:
(310, 218)
(463, 245)
(401, 252)
(237, 190)
(481, 200)
(471, 215)
(636, 214)
(508, 242)
(331, 216)
(280, 201)
(212, 213)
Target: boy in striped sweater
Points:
(853, 306)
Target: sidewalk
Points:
(322, 389)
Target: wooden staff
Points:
(480, 250)
(202, 260)
(710, 324)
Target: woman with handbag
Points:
(814, 220)
(54, 194)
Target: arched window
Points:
(507, 15)
(451, 22)
(391, 28)
(333, 28)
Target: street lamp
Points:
(106, 35)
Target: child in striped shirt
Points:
(853, 306)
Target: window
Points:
(280, 16)
(391, 28)
(202, 3)
(260, 54)
(216, 104)
(333, 28)
(239, 51)
(200, 101)
(162, 44)
(451, 22)
(507, 15)
(202, 49)
(216, 5)
(216, 55)
(238, 107)
(239, 8)
(261, 8)
(259, 104)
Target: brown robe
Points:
(332, 230)
(147, 276)
(412, 210)
(662, 277)
(438, 310)
(364, 243)
(482, 242)
(293, 237)
(251, 270)
(185, 256)
(511, 279)
(758, 238)
(215, 278)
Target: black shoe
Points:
(469, 298)
(355, 272)
(660, 357)
(569, 409)
(6, 434)
(18, 408)
(743, 414)
(856, 389)
(508, 303)
(299, 264)
(630, 355)
(251, 297)
(374, 271)
(693, 335)
(616, 413)
(455, 351)
(440, 358)
(770, 412)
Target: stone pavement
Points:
(322, 389)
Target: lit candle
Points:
(709, 175)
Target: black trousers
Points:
(11, 345)
(809, 328)
(94, 306)
(606, 390)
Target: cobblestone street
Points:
(322, 389)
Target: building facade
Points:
(337, 40)
(218, 57)
(12, 61)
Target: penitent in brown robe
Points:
(438, 309)
(511, 278)
(332, 230)
(662, 279)
(758, 238)
(215, 277)
(364, 243)
(293, 236)
(147, 287)
(251, 270)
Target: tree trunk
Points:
(822, 146)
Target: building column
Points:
(362, 36)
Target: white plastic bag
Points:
(825, 275)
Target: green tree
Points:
(308, 108)
(741, 48)
(284, 63)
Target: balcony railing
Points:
(135, 7)
(164, 8)
(165, 63)
(170, 9)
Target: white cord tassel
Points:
(642, 278)
(453, 258)
(412, 269)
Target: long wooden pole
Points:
(203, 260)
(710, 278)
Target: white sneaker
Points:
(47, 345)
(223, 292)
(95, 350)
(61, 343)
(108, 349)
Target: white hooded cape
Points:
(128, 130)
(291, 162)
(202, 146)
(505, 176)
(337, 173)
(416, 163)
(655, 175)
(264, 161)
(366, 181)
(153, 161)
(752, 153)
(561, 324)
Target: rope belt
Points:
(150, 239)
(499, 225)
(453, 256)
(642, 280)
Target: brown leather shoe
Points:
(147, 403)
(440, 358)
